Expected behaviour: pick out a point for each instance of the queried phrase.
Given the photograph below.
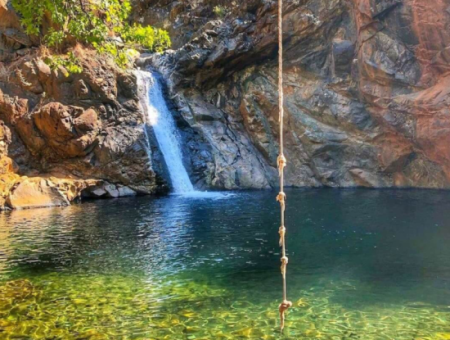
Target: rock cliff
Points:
(366, 88)
(367, 94)
(63, 136)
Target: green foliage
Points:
(69, 62)
(220, 11)
(148, 37)
(54, 38)
(101, 24)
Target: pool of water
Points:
(363, 265)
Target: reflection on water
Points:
(363, 265)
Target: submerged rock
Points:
(15, 292)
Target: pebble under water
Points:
(363, 265)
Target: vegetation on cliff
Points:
(101, 24)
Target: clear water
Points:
(165, 130)
(363, 265)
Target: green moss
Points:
(220, 11)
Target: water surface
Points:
(363, 265)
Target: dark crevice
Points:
(384, 13)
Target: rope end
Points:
(284, 306)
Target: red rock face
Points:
(365, 80)
(367, 86)
(405, 80)
(430, 24)
(432, 117)
(431, 107)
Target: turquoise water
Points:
(363, 265)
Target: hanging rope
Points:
(285, 305)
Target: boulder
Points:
(107, 190)
(35, 193)
(19, 192)
(68, 131)
(126, 191)
(12, 108)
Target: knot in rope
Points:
(284, 306)
(284, 263)
(282, 232)
(282, 199)
(282, 162)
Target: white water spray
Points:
(163, 124)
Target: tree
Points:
(101, 24)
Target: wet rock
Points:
(96, 192)
(107, 190)
(111, 191)
(126, 191)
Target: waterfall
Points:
(160, 118)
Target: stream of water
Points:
(161, 120)
(363, 265)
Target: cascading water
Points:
(163, 124)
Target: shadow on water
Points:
(363, 264)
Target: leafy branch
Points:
(101, 24)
